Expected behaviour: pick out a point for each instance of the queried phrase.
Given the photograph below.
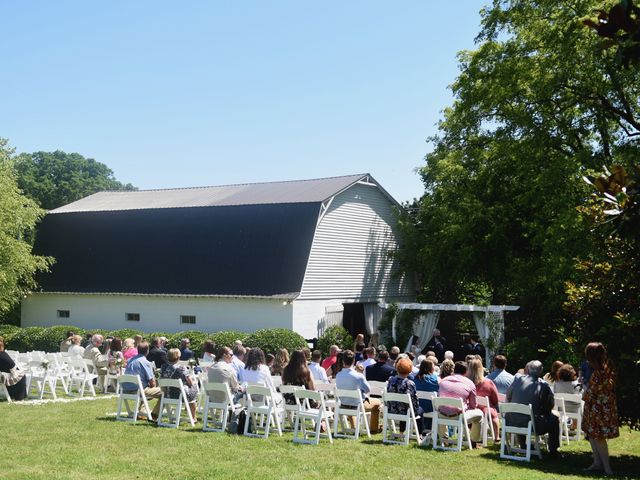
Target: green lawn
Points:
(82, 440)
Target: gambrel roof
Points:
(236, 240)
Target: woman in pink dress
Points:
(128, 349)
(484, 388)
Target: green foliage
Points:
(26, 339)
(197, 339)
(126, 333)
(8, 332)
(404, 326)
(335, 335)
(227, 337)
(270, 340)
(18, 217)
(51, 337)
(56, 178)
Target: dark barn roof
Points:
(247, 250)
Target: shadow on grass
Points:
(139, 423)
(570, 463)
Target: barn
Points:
(301, 255)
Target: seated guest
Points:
(297, 373)
(400, 383)
(436, 368)
(157, 354)
(66, 343)
(17, 388)
(393, 356)
(328, 362)
(139, 365)
(381, 370)
(173, 370)
(138, 338)
(484, 388)
(426, 381)
(531, 389)
(499, 376)
(223, 372)
(87, 340)
(317, 372)
(75, 349)
(129, 349)
(256, 371)
(239, 353)
(208, 352)
(360, 352)
(269, 358)
(459, 386)
(100, 361)
(185, 352)
(551, 376)
(448, 355)
(446, 368)
(369, 357)
(116, 358)
(349, 379)
(280, 361)
(567, 382)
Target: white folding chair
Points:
(4, 392)
(329, 392)
(42, 378)
(389, 430)
(377, 388)
(59, 369)
(217, 413)
(80, 376)
(510, 433)
(309, 419)
(172, 407)
(422, 395)
(345, 411)
(277, 380)
(559, 409)
(574, 409)
(290, 410)
(457, 423)
(261, 411)
(486, 426)
(130, 399)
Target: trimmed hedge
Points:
(48, 339)
(335, 335)
(272, 339)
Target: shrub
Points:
(150, 336)
(335, 335)
(270, 340)
(126, 333)
(51, 338)
(196, 338)
(27, 339)
(8, 332)
(227, 337)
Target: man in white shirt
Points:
(317, 372)
(223, 371)
(369, 358)
(349, 379)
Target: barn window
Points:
(64, 313)
(133, 317)
(187, 319)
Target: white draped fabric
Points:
(372, 316)
(424, 326)
(485, 330)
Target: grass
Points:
(82, 440)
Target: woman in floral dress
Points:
(600, 419)
(175, 371)
(400, 383)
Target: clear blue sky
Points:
(173, 94)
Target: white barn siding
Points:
(157, 314)
(349, 258)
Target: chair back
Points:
(219, 391)
(422, 395)
(305, 396)
(353, 394)
(483, 402)
(439, 402)
(377, 388)
(258, 395)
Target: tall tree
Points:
(18, 217)
(56, 178)
(537, 106)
